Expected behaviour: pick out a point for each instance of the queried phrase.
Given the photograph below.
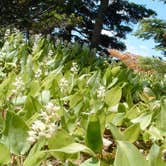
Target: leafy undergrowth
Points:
(61, 105)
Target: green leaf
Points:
(36, 159)
(163, 115)
(37, 55)
(35, 155)
(93, 134)
(115, 132)
(74, 99)
(128, 155)
(34, 87)
(5, 154)
(15, 134)
(74, 148)
(4, 86)
(91, 162)
(155, 133)
(93, 78)
(107, 78)
(115, 70)
(154, 157)
(144, 120)
(31, 107)
(113, 96)
(131, 133)
(60, 139)
(28, 71)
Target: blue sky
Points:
(145, 47)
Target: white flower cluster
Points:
(50, 62)
(37, 37)
(45, 127)
(7, 33)
(38, 73)
(50, 53)
(74, 68)
(19, 84)
(16, 31)
(63, 84)
(101, 92)
(36, 41)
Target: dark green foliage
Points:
(81, 20)
(155, 29)
(60, 105)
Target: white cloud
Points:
(109, 33)
(139, 50)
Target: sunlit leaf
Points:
(5, 154)
(15, 134)
(91, 162)
(131, 133)
(128, 155)
(113, 96)
(144, 120)
(154, 157)
(93, 134)
(59, 140)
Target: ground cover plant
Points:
(61, 105)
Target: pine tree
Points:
(75, 20)
(155, 29)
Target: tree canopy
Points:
(82, 20)
(154, 28)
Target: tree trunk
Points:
(95, 40)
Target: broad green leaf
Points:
(115, 70)
(155, 133)
(4, 154)
(37, 55)
(163, 115)
(36, 159)
(121, 108)
(59, 140)
(133, 113)
(144, 120)
(31, 106)
(28, 71)
(93, 137)
(154, 157)
(74, 99)
(35, 155)
(131, 133)
(149, 92)
(113, 96)
(107, 78)
(113, 82)
(74, 148)
(6, 84)
(128, 155)
(118, 119)
(15, 134)
(93, 78)
(91, 162)
(34, 87)
(118, 135)
(101, 114)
